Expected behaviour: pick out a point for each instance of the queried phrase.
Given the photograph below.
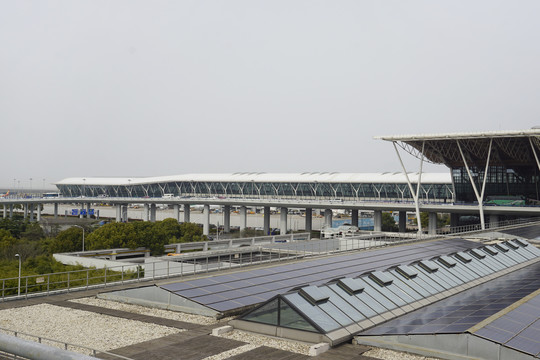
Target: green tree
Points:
(388, 222)
(66, 241)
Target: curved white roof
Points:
(308, 177)
(467, 135)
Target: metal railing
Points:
(249, 252)
(62, 345)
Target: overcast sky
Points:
(149, 88)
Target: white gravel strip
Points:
(137, 309)
(262, 340)
(96, 331)
(394, 355)
(227, 354)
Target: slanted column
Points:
(354, 217)
(38, 211)
(118, 212)
(266, 220)
(309, 219)
(432, 225)
(493, 221)
(283, 220)
(56, 210)
(206, 220)
(243, 218)
(153, 212)
(176, 210)
(377, 220)
(25, 211)
(227, 218)
(402, 225)
(328, 217)
(145, 211)
(187, 213)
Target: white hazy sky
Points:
(149, 88)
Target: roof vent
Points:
(477, 253)
(447, 261)
(407, 271)
(352, 286)
(521, 242)
(511, 245)
(502, 247)
(380, 278)
(313, 294)
(491, 250)
(463, 256)
(429, 265)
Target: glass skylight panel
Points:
(382, 299)
(355, 301)
(313, 294)
(339, 302)
(352, 286)
(433, 277)
(381, 278)
(312, 312)
(407, 287)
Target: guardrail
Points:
(45, 343)
(197, 262)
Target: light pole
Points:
(20, 267)
(82, 235)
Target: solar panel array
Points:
(527, 232)
(382, 295)
(237, 290)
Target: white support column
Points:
(283, 220)
(206, 219)
(187, 213)
(309, 219)
(377, 220)
(56, 210)
(227, 218)
(479, 196)
(243, 218)
(145, 211)
(432, 223)
(402, 222)
(31, 212)
(118, 212)
(88, 206)
(10, 211)
(81, 207)
(176, 211)
(125, 217)
(153, 208)
(266, 220)
(413, 193)
(38, 211)
(25, 211)
(354, 217)
(5, 211)
(493, 221)
(328, 217)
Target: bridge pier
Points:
(38, 211)
(243, 218)
(206, 220)
(125, 217)
(118, 213)
(5, 211)
(25, 211)
(309, 219)
(56, 210)
(377, 220)
(266, 220)
(11, 211)
(146, 210)
(31, 212)
(283, 220)
(227, 218)
(187, 212)
(402, 224)
(432, 224)
(354, 217)
(176, 211)
(328, 217)
(153, 212)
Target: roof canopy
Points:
(509, 148)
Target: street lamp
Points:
(20, 267)
(82, 235)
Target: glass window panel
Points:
(312, 312)
(408, 286)
(353, 300)
(288, 317)
(384, 293)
